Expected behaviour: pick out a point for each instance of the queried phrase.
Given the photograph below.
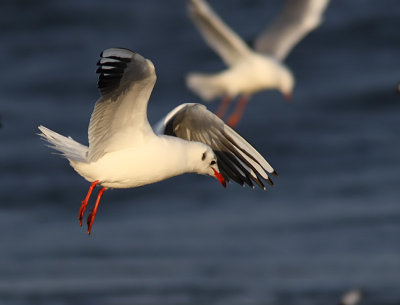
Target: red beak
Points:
(288, 96)
(220, 178)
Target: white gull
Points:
(250, 71)
(125, 152)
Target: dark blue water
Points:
(330, 223)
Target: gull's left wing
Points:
(218, 35)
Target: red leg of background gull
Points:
(223, 106)
(85, 202)
(93, 212)
(237, 115)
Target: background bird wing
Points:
(217, 34)
(298, 18)
(237, 159)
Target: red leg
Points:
(237, 115)
(85, 202)
(92, 215)
(223, 106)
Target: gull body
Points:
(248, 76)
(132, 166)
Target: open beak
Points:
(220, 178)
(288, 96)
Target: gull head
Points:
(205, 162)
(150, 65)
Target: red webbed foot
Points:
(93, 212)
(86, 201)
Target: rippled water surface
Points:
(330, 223)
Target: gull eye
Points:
(213, 162)
(203, 156)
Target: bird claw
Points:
(82, 212)
(85, 202)
(93, 211)
(90, 220)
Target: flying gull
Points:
(125, 151)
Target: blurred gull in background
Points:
(351, 297)
(251, 71)
(124, 151)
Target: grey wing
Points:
(298, 18)
(218, 35)
(125, 82)
(237, 159)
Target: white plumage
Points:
(250, 71)
(125, 152)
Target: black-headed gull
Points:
(250, 71)
(124, 151)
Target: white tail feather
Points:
(204, 86)
(68, 147)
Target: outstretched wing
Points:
(217, 34)
(237, 159)
(298, 18)
(119, 119)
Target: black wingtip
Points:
(274, 173)
(111, 70)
